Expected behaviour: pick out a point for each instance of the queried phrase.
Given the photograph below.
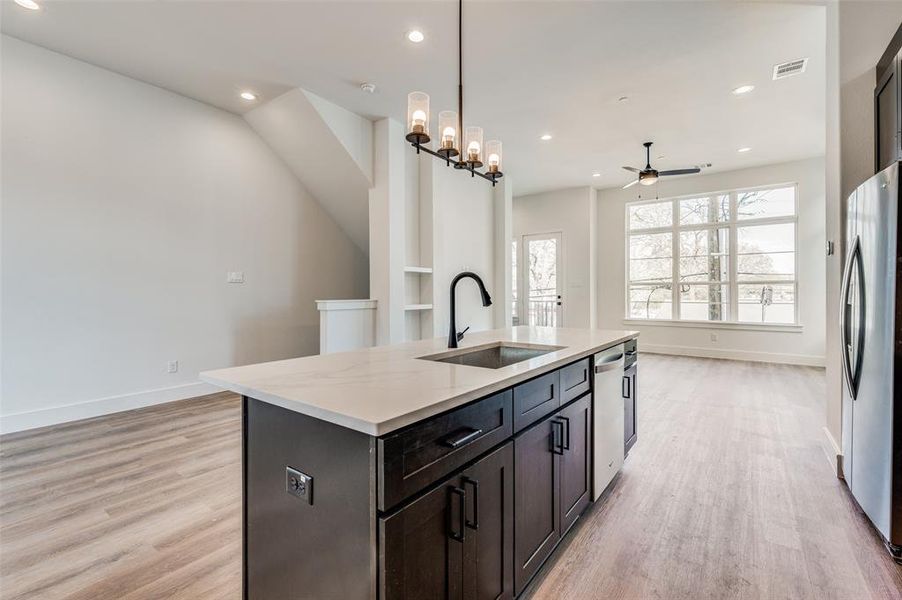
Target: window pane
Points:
(762, 204)
(764, 303)
(646, 216)
(714, 209)
(703, 255)
(766, 252)
(650, 257)
(705, 302)
(651, 302)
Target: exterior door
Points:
(541, 280)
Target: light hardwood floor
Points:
(727, 494)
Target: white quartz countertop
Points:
(381, 389)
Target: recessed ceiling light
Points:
(416, 36)
(546, 137)
(249, 96)
(744, 149)
(596, 174)
(29, 4)
(743, 89)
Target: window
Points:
(727, 256)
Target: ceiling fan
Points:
(649, 176)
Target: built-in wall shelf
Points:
(418, 307)
(418, 269)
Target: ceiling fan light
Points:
(650, 180)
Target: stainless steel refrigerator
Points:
(871, 314)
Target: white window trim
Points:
(732, 224)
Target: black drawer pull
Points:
(557, 436)
(474, 524)
(460, 533)
(456, 440)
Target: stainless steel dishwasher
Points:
(608, 416)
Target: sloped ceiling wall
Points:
(329, 149)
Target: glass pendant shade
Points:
(473, 146)
(449, 144)
(418, 117)
(493, 156)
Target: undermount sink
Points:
(492, 356)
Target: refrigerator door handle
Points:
(852, 262)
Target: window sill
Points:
(771, 327)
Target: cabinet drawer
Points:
(535, 399)
(413, 458)
(574, 380)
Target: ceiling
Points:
(530, 68)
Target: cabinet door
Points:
(576, 461)
(489, 518)
(630, 427)
(887, 117)
(536, 498)
(421, 547)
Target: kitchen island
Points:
(407, 471)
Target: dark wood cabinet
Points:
(489, 520)
(630, 395)
(537, 514)
(457, 540)
(536, 399)
(576, 465)
(552, 481)
(888, 106)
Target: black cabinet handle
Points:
(625, 386)
(456, 440)
(566, 435)
(474, 524)
(557, 426)
(460, 533)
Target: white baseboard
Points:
(833, 452)
(730, 354)
(101, 406)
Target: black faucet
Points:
(453, 336)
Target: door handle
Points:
(853, 262)
(566, 434)
(625, 386)
(461, 494)
(474, 524)
(557, 426)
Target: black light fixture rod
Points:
(460, 76)
(487, 176)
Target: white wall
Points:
(464, 241)
(857, 35)
(804, 347)
(570, 212)
(124, 206)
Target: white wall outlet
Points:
(235, 277)
(172, 366)
(713, 337)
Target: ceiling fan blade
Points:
(679, 171)
(631, 184)
(632, 169)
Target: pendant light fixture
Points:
(468, 150)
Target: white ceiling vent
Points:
(788, 69)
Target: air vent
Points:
(788, 69)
